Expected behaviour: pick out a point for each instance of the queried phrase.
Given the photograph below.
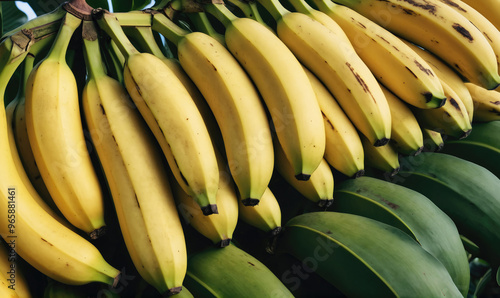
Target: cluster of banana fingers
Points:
(191, 107)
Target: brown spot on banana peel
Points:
(411, 72)
(328, 121)
(431, 8)
(464, 32)
(360, 80)
(47, 242)
(454, 104)
(495, 102)
(424, 69)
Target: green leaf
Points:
(44, 6)
(1, 19)
(98, 4)
(498, 276)
(12, 16)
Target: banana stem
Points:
(92, 51)
(202, 23)
(275, 8)
(168, 28)
(325, 6)
(60, 45)
(17, 54)
(146, 40)
(110, 24)
(220, 12)
(301, 6)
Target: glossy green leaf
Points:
(12, 16)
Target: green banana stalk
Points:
(466, 191)
(482, 146)
(364, 257)
(411, 212)
(231, 272)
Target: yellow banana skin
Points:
(56, 136)
(46, 244)
(383, 158)
(319, 187)
(486, 103)
(266, 216)
(446, 74)
(439, 29)
(395, 65)
(12, 276)
(485, 7)
(486, 27)
(343, 150)
(284, 87)
(171, 114)
(219, 227)
(433, 141)
(238, 109)
(406, 134)
(451, 119)
(342, 71)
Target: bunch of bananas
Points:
(146, 138)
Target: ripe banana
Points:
(319, 187)
(219, 227)
(433, 140)
(486, 103)
(57, 139)
(439, 29)
(395, 65)
(171, 114)
(487, 8)
(486, 27)
(266, 216)
(451, 119)
(411, 212)
(217, 272)
(482, 146)
(338, 66)
(283, 85)
(351, 252)
(384, 158)
(447, 75)
(136, 176)
(406, 135)
(447, 180)
(235, 103)
(46, 244)
(12, 276)
(343, 150)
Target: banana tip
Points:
(116, 280)
(97, 233)
(250, 202)
(224, 242)
(325, 203)
(302, 177)
(418, 151)
(465, 134)
(359, 173)
(394, 172)
(172, 291)
(381, 142)
(210, 209)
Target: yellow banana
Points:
(56, 136)
(283, 85)
(338, 66)
(171, 114)
(12, 273)
(393, 64)
(235, 103)
(484, 25)
(433, 141)
(319, 187)
(488, 8)
(266, 216)
(343, 150)
(451, 119)
(439, 29)
(45, 244)
(486, 103)
(446, 74)
(384, 158)
(406, 134)
(219, 227)
(136, 176)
